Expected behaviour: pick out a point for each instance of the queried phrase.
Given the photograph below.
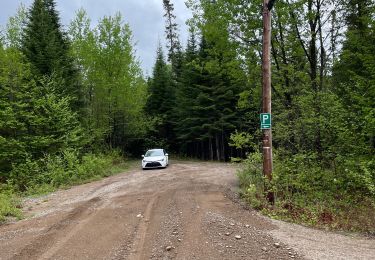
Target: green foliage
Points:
(354, 74)
(115, 91)
(34, 120)
(14, 28)
(251, 174)
(46, 47)
(159, 101)
(55, 116)
(66, 95)
(242, 140)
(309, 193)
(36, 177)
(207, 98)
(62, 170)
(171, 31)
(9, 204)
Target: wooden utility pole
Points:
(266, 102)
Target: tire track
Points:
(47, 241)
(140, 237)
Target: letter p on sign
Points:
(265, 121)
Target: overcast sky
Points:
(144, 16)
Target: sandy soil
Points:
(186, 211)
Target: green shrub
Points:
(356, 175)
(9, 205)
(251, 173)
(93, 166)
(252, 181)
(24, 175)
(340, 195)
(64, 169)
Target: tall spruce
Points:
(207, 99)
(159, 87)
(175, 57)
(171, 31)
(46, 47)
(186, 97)
(34, 121)
(160, 103)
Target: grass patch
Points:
(9, 204)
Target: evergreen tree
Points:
(33, 120)
(171, 30)
(158, 102)
(175, 57)
(46, 47)
(207, 99)
(11, 88)
(188, 112)
(187, 94)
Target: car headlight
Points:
(162, 160)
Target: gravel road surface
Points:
(186, 211)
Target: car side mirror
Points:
(166, 154)
(143, 156)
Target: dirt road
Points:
(183, 212)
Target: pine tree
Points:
(11, 77)
(46, 47)
(171, 30)
(34, 121)
(175, 57)
(187, 118)
(207, 99)
(158, 102)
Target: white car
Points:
(155, 158)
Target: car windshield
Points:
(154, 153)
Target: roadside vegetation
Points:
(61, 171)
(337, 197)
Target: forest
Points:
(74, 101)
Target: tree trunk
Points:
(217, 147)
(202, 150)
(314, 71)
(211, 150)
(223, 155)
